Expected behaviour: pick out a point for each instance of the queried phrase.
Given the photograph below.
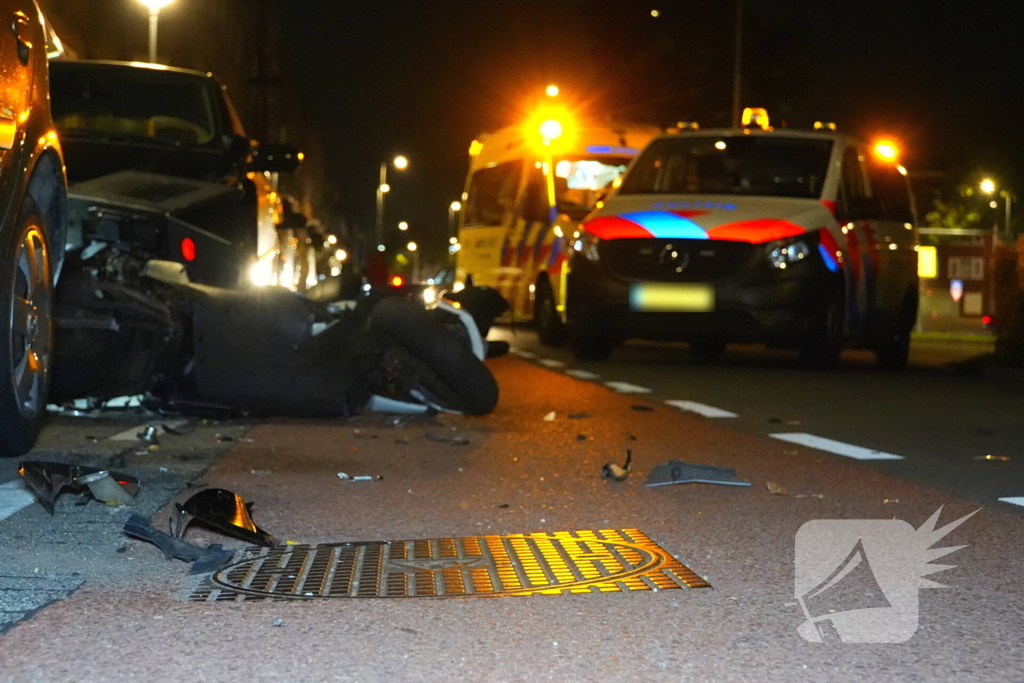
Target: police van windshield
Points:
(578, 182)
(760, 165)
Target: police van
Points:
(527, 189)
(801, 240)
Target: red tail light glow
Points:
(397, 281)
(188, 249)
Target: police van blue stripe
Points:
(665, 225)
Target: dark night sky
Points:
(425, 78)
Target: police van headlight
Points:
(587, 244)
(785, 253)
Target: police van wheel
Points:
(591, 344)
(550, 329)
(823, 342)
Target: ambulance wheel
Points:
(550, 329)
(26, 335)
(823, 341)
(589, 343)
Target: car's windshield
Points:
(765, 165)
(579, 181)
(137, 102)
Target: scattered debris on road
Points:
(347, 477)
(1001, 458)
(223, 510)
(49, 479)
(640, 408)
(454, 440)
(204, 560)
(618, 472)
(551, 417)
(578, 416)
(776, 489)
(679, 472)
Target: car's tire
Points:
(549, 326)
(893, 353)
(707, 349)
(26, 330)
(444, 365)
(590, 343)
(823, 342)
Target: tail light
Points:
(188, 249)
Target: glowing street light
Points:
(403, 226)
(154, 23)
(412, 246)
(988, 186)
(453, 212)
(414, 249)
(551, 129)
(887, 150)
(400, 162)
(552, 90)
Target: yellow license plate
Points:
(672, 298)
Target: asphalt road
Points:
(942, 421)
(85, 603)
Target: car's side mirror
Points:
(275, 157)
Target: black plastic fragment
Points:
(223, 510)
(204, 560)
(49, 479)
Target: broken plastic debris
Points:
(204, 560)
(48, 479)
(149, 435)
(678, 472)
(887, 501)
(223, 510)
(550, 417)
(776, 489)
(578, 416)
(641, 408)
(618, 472)
(1002, 458)
(454, 440)
(260, 473)
(347, 477)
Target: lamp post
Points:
(453, 212)
(988, 186)
(154, 23)
(400, 163)
(414, 250)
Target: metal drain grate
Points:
(478, 566)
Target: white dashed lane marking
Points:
(583, 374)
(627, 388)
(14, 495)
(550, 363)
(1014, 500)
(700, 409)
(529, 355)
(837, 447)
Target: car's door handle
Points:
(19, 26)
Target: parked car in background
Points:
(33, 216)
(147, 121)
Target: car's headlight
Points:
(587, 244)
(429, 295)
(785, 253)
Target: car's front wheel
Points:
(26, 330)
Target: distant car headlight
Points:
(429, 295)
(785, 253)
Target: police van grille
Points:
(676, 260)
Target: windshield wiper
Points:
(94, 134)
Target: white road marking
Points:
(583, 374)
(700, 409)
(133, 433)
(1015, 500)
(529, 355)
(551, 363)
(627, 388)
(837, 447)
(14, 495)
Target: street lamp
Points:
(552, 90)
(988, 186)
(154, 23)
(414, 249)
(400, 163)
(403, 226)
(453, 212)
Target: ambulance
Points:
(527, 190)
(802, 240)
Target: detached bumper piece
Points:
(49, 479)
(224, 511)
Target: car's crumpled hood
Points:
(739, 219)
